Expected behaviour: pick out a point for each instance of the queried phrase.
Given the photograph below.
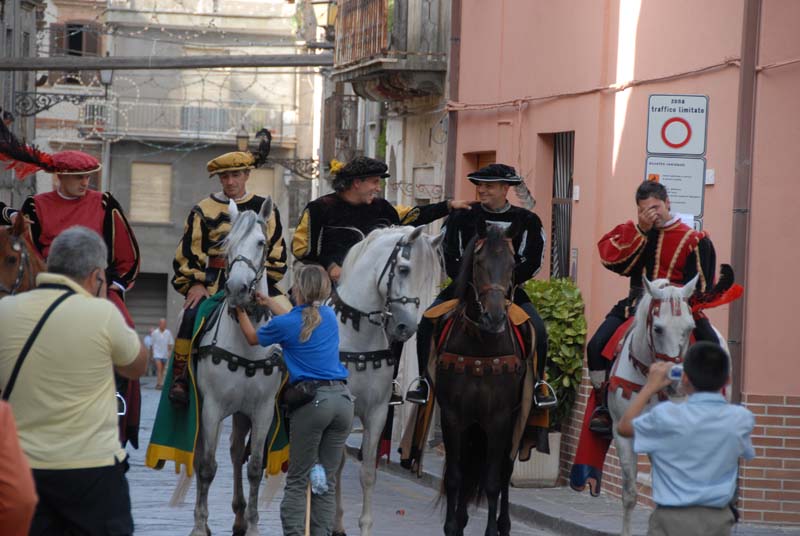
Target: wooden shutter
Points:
(58, 46)
(91, 47)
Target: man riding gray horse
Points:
(333, 223)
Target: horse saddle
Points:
(516, 314)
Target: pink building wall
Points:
(512, 50)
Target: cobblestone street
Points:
(402, 507)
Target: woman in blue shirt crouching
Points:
(321, 420)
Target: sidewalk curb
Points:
(526, 514)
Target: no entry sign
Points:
(676, 124)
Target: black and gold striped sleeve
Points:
(276, 257)
(306, 237)
(191, 258)
(422, 214)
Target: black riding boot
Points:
(420, 394)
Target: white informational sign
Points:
(676, 124)
(684, 180)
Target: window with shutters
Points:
(74, 39)
(151, 192)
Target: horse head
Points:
(19, 263)
(246, 249)
(389, 274)
(488, 270)
(668, 319)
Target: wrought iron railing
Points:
(200, 120)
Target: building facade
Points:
(386, 98)
(561, 90)
(19, 22)
(158, 129)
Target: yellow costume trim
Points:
(516, 314)
(301, 236)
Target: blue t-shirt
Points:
(315, 359)
(695, 448)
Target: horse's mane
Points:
(494, 234)
(427, 268)
(242, 227)
(360, 247)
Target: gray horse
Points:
(660, 331)
(234, 378)
(387, 280)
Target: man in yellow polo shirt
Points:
(63, 394)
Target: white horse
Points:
(234, 378)
(660, 332)
(387, 280)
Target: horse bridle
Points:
(485, 289)
(259, 271)
(381, 317)
(653, 311)
(18, 245)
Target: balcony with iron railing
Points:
(392, 49)
(178, 120)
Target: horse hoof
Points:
(338, 534)
(239, 532)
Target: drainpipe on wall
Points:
(742, 186)
(452, 82)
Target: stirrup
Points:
(419, 380)
(398, 398)
(550, 401)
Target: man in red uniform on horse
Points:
(74, 203)
(658, 246)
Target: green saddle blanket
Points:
(175, 430)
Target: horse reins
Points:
(259, 271)
(485, 289)
(380, 317)
(18, 245)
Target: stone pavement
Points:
(560, 510)
(402, 506)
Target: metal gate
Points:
(564, 145)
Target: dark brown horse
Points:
(19, 262)
(479, 383)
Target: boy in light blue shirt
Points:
(694, 447)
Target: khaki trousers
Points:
(690, 521)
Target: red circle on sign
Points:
(683, 122)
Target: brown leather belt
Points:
(478, 366)
(217, 261)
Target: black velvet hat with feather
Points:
(361, 167)
(243, 159)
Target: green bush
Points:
(560, 305)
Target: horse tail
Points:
(473, 457)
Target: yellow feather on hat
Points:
(336, 166)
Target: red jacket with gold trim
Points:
(675, 252)
(50, 213)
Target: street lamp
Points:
(106, 78)
(325, 13)
(242, 139)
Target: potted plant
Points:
(561, 306)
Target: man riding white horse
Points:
(333, 223)
(659, 245)
(199, 263)
(492, 184)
